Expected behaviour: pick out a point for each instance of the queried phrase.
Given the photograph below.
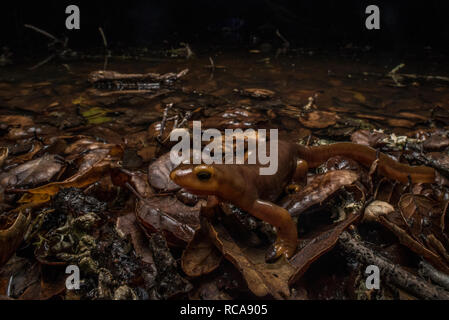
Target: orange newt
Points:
(243, 186)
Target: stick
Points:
(106, 52)
(392, 273)
(45, 33)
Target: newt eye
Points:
(203, 175)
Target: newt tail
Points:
(388, 167)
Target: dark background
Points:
(405, 25)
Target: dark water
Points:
(350, 86)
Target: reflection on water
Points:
(348, 93)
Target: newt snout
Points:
(199, 179)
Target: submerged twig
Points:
(60, 52)
(163, 122)
(45, 33)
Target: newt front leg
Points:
(287, 234)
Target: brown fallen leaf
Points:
(159, 174)
(3, 155)
(320, 189)
(32, 172)
(376, 209)
(368, 138)
(127, 226)
(138, 180)
(14, 120)
(233, 118)
(200, 256)
(319, 119)
(419, 225)
(82, 179)
(86, 152)
(414, 245)
(317, 244)
(262, 279)
(11, 238)
(436, 142)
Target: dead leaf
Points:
(376, 209)
(319, 119)
(317, 244)
(262, 279)
(80, 180)
(258, 93)
(368, 138)
(127, 226)
(177, 221)
(32, 172)
(200, 256)
(320, 189)
(159, 174)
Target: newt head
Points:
(198, 179)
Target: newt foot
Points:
(278, 249)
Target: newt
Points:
(243, 186)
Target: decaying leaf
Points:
(262, 279)
(200, 256)
(80, 180)
(159, 174)
(369, 138)
(32, 172)
(177, 221)
(170, 282)
(127, 226)
(376, 209)
(320, 189)
(419, 225)
(3, 155)
(319, 119)
(317, 244)
(257, 93)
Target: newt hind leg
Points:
(287, 235)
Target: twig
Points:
(106, 51)
(42, 62)
(397, 77)
(45, 33)
(393, 273)
(428, 271)
(164, 120)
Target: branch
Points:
(392, 273)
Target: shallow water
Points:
(341, 81)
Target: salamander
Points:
(243, 186)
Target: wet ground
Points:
(353, 84)
(312, 97)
